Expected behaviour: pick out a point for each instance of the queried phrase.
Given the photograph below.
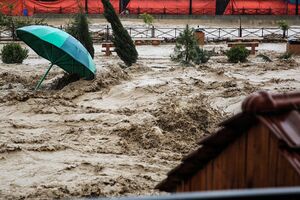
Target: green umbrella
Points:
(60, 49)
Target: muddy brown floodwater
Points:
(122, 132)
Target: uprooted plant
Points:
(265, 57)
(285, 56)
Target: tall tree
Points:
(124, 45)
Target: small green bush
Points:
(284, 26)
(237, 54)
(13, 53)
(201, 56)
(147, 18)
(187, 50)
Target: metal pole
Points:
(240, 29)
(191, 7)
(297, 4)
(86, 7)
(43, 78)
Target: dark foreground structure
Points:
(292, 193)
(258, 148)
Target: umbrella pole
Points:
(43, 78)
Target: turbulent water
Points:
(122, 132)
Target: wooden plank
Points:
(186, 187)
(258, 157)
(286, 174)
(239, 170)
(243, 43)
(218, 177)
(202, 176)
(209, 175)
(273, 159)
(195, 186)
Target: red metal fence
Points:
(260, 7)
(30, 7)
(171, 7)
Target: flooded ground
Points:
(122, 132)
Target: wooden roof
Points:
(279, 112)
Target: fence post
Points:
(219, 33)
(130, 31)
(240, 29)
(107, 32)
(153, 32)
(262, 32)
(175, 32)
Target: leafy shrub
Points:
(187, 49)
(285, 56)
(284, 26)
(13, 53)
(237, 54)
(201, 56)
(147, 18)
(79, 29)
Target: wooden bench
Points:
(245, 44)
(154, 41)
(245, 39)
(108, 48)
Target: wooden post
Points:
(252, 49)
(107, 50)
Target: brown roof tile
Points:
(285, 126)
(279, 112)
(264, 102)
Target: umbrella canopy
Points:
(59, 48)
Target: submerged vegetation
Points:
(237, 54)
(187, 50)
(13, 53)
